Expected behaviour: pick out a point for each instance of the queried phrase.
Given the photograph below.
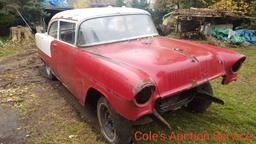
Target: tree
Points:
(200, 3)
(142, 4)
(120, 3)
(32, 10)
(238, 7)
(253, 8)
(82, 4)
(6, 18)
(171, 4)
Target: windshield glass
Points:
(115, 28)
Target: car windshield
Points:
(115, 28)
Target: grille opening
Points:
(175, 102)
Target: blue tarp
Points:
(56, 3)
(248, 35)
(236, 37)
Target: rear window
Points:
(53, 29)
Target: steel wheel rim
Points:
(48, 71)
(106, 123)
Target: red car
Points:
(114, 60)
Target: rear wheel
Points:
(49, 73)
(115, 128)
(199, 104)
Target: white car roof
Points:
(87, 13)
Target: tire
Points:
(115, 128)
(49, 73)
(200, 105)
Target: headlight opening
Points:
(144, 95)
(236, 66)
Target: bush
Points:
(5, 22)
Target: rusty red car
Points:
(114, 60)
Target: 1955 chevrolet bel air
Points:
(114, 60)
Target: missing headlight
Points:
(237, 65)
(144, 95)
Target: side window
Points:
(53, 29)
(67, 32)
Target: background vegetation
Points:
(32, 10)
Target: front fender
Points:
(228, 58)
(229, 61)
(127, 109)
(118, 82)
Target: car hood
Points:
(173, 64)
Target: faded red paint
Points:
(118, 69)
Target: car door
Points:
(64, 54)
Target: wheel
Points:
(115, 128)
(49, 73)
(200, 105)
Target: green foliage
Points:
(32, 10)
(7, 48)
(142, 4)
(165, 5)
(6, 19)
(200, 3)
(241, 7)
(171, 4)
(120, 3)
(157, 16)
(238, 7)
(82, 4)
(253, 8)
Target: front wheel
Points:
(200, 105)
(115, 128)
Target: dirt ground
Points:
(34, 109)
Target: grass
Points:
(3, 38)
(7, 52)
(237, 116)
(10, 48)
(7, 48)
